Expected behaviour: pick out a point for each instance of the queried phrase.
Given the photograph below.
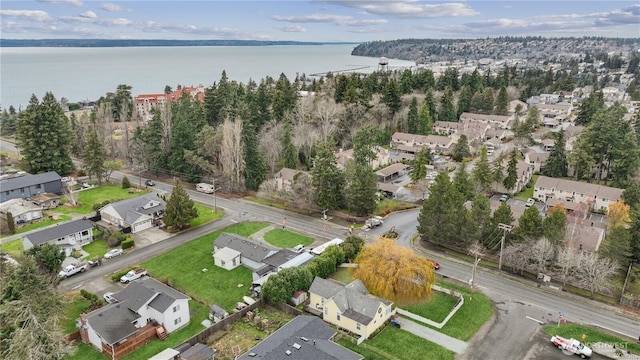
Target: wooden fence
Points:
(145, 335)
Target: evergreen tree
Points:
(328, 179)
(463, 183)
(43, 135)
(497, 173)
(617, 246)
(487, 101)
(510, 180)
(529, 225)
(502, 102)
(476, 103)
(284, 97)
(430, 102)
(557, 164)
(461, 149)
(391, 96)
(419, 166)
(360, 192)
(464, 101)
(480, 216)
(424, 121)
(255, 169)
(481, 173)
(589, 107)
(180, 209)
(93, 156)
(11, 222)
(406, 82)
(447, 108)
(580, 158)
(502, 215)
(187, 121)
(125, 182)
(289, 158)
(555, 225)
(412, 117)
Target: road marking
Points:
(536, 320)
(619, 332)
(77, 286)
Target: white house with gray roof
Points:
(573, 193)
(252, 254)
(22, 187)
(303, 338)
(350, 307)
(68, 236)
(140, 303)
(138, 212)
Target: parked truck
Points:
(373, 222)
(571, 346)
(73, 269)
(205, 188)
(133, 275)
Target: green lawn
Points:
(286, 239)
(205, 215)
(591, 336)
(369, 354)
(436, 309)
(528, 191)
(343, 275)
(96, 248)
(88, 198)
(13, 248)
(407, 346)
(183, 268)
(39, 224)
(74, 308)
(85, 352)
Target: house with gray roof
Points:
(142, 303)
(305, 337)
(350, 307)
(21, 210)
(593, 196)
(22, 187)
(252, 254)
(138, 212)
(69, 236)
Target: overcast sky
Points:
(300, 20)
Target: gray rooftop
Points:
(197, 352)
(325, 287)
(113, 322)
(248, 248)
(312, 337)
(129, 209)
(148, 290)
(280, 258)
(28, 180)
(58, 231)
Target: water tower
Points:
(383, 64)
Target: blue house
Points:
(26, 186)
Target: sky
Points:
(315, 20)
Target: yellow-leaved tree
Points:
(618, 215)
(394, 273)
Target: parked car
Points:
(530, 201)
(108, 297)
(436, 266)
(298, 248)
(571, 346)
(504, 198)
(133, 275)
(149, 183)
(113, 253)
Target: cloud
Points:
(629, 15)
(89, 15)
(342, 20)
(94, 20)
(221, 32)
(33, 15)
(76, 3)
(407, 8)
(111, 7)
(292, 28)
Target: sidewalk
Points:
(446, 341)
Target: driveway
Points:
(446, 341)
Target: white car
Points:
(298, 248)
(108, 297)
(113, 253)
(530, 201)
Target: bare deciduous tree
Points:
(271, 144)
(70, 195)
(232, 153)
(302, 194)
(594, 272)
(541, 253)
(568, 261)
(515, 256)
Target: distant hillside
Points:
(424, 51)
(137, 43)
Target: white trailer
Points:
(320, 249)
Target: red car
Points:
(436, 265)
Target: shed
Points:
(299, 297)
(166, 354)
(227, 258)
(217, 313)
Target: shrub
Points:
(116, 276)
(95, 300)
(11, 223)
(125, 183)
(82, 172)
(96, 206)
(127, 243)
(76, 254)
(105, 203)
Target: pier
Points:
(340, 71)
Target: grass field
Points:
(97, 248)
(74, 305)
(205, 215)
(407, 346)
(286, 239)
(88, 198)
(40, 224)
(183, 267)
(436, 309)
(591, 336)
(13, 248)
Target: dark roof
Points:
(113, 322)
(28, 180)
(197, 352)
(249, 249)
(129, 209)
(279, 258)
(218, 311)
(306, 337)
(148, 290)
(58, 231)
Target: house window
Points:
(176, 308)
(22, 190)
(85, 233)
(221, 262)
(358, 326)
(338, 317)
(177, 321)
(326, 310)
(39, 186)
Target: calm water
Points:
(88, 73)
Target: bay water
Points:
(88, 73)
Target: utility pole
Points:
(505, 228)
(625, 282)
(324, 219)
(215, 198)
(475, 250)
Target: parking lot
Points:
(541, 348)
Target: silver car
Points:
(113, 253)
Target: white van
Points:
(205, 188)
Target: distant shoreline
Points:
(140, 43)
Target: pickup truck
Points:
(373, 222)
(571, 346)
(132, 275)
(73, 269)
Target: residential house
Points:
(536, 159)
(144, 103)
(382, 157)
(69, 236)
(517, 107)
(23, 211)
(303, 338)
(349, 307)
(583, 236)
(525, 173)
(388, 190)
(22, 187)
(595, 197)
(391, 172)
(499, 121)
(446, 128)
(553, 115)
(286, 177)
(138, 213)
(46, 201)
(140, 306)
